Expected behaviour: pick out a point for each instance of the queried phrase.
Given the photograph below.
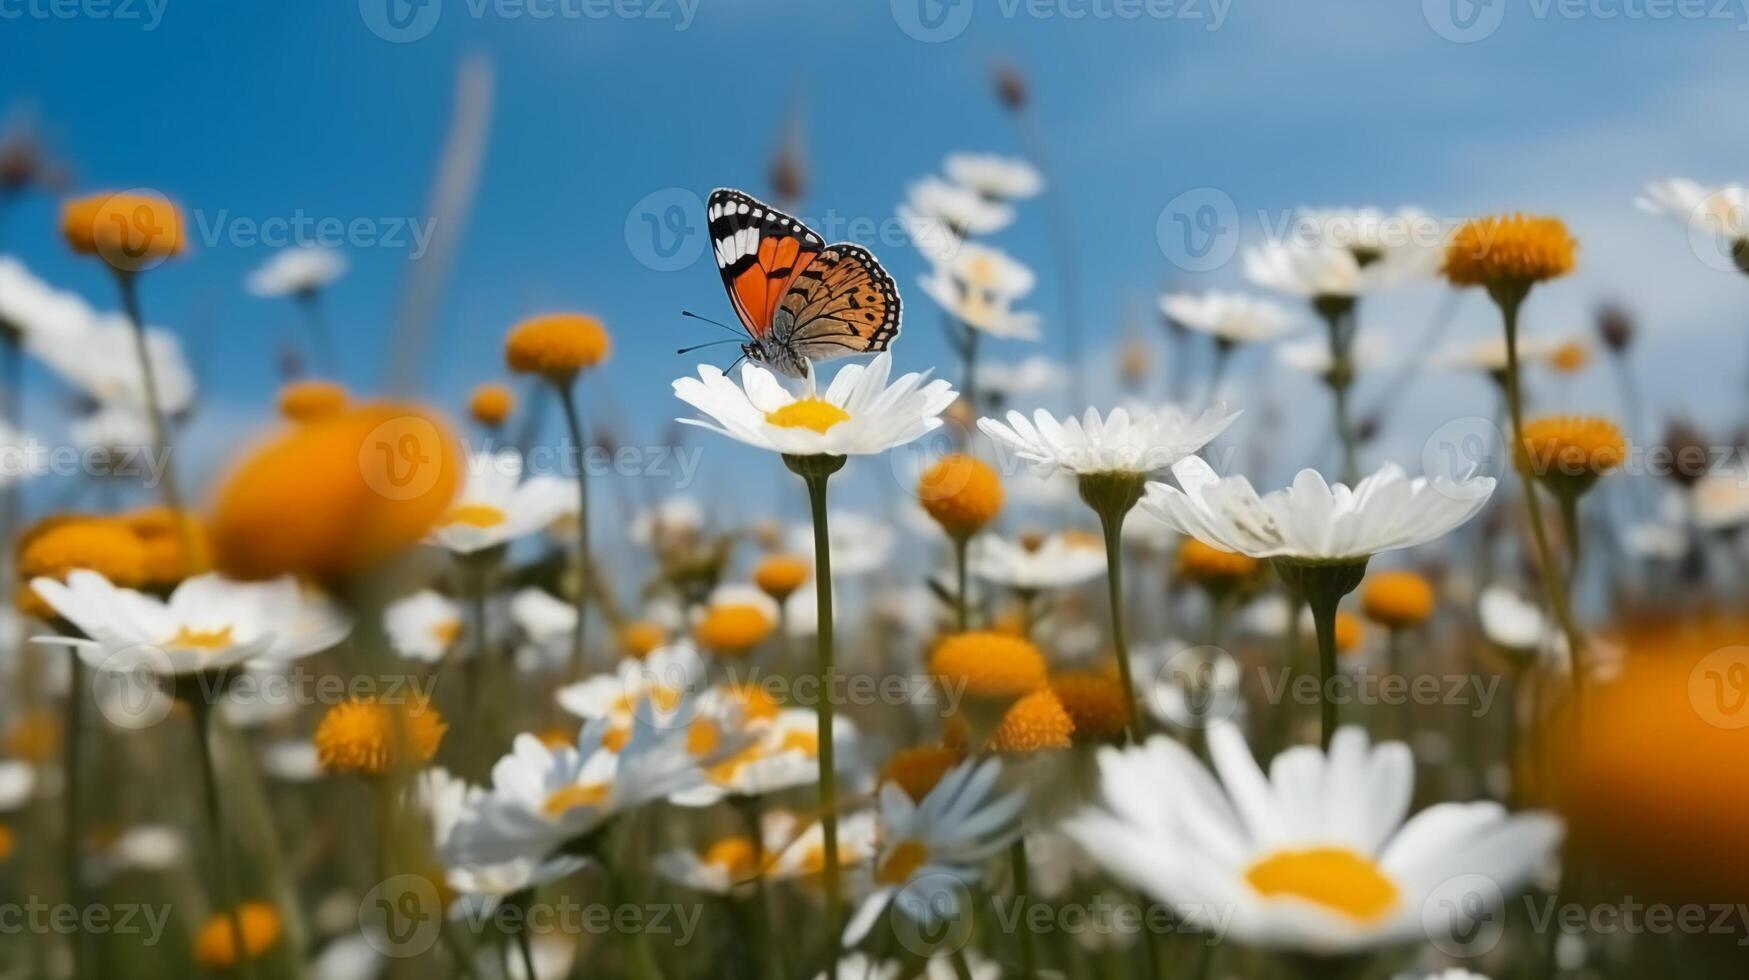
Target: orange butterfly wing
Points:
(843, 303)
(760, 252)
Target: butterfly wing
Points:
(843, 303)
(760, 252)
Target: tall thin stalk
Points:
(1113, 527)
(816, 481)
(224, 882)
(130, 301)
(585, 572)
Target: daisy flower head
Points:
(959, 210)
(131, 230)
(799, 852)
(496, 506)
(1511, 622)
(36, 312)
(997, 178)
(780, 575)
(1510, 253)
(932, 850)
(300, 271)
(209, 623)
(735, 620)
(215, 945)
(1230, 318)
(447, 800)
(962, 493)
(725, 865)
(1366, 352)
(1318, 855)
(1317, 271)
(978, 285)
(557, 346)
(1397, 599)
(99, 360)
(666, 677)
(1717, 218)
(1034, 563)
(1401, 245)
(859, 413)
(370, 736)
(423, 626)
(1312, 521)
(490, 404)
(781, 750)
(1569, 452)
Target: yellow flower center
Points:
(187, 639)
(732, 854)
(902, 862)
(1035, 723)
(989, 665)
(367, 737)
(569, 798)
(448, 631)
(1331, 877)
(475, 515)
(808, 413)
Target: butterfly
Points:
(799, 299)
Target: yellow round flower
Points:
(215, 945)
(962, 493)
(732, 854)
(1513, 250)
(1095, 703)
(916, 770)
(1212, 567)
(1397, 599)
(7, 843)
(1571, 451)
(1570, 358)
(131, 230)
(176, 546)
(990, 665)
(1035, 723)
(34, 737)
(336, 496)
(779, 576)
(1349, 632)
(733, 629)
(556, 346)
(364, 736)
(491, 404)
(65, 543)
(301, 401)
(638, 637)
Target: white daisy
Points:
(1366, 352)
(962, 210)
(1230, 318)
(1489, 353)
(667, 675)
(448, 800)
(291, 760)
(728, 864)
(931, 850)
(99, 359)
(674, 520)
(859, 542)
(998, 178)
(496, 506)
(35, 311)
(857, 414)
(784, 753)
(208, 623)
(1510, 622)
(1057, 561)
(423, 626)
(1720, 501)
(1718, 211)
(1034, 375)
(1315, 856)
(799, 852)
(978, 285)
(297, 271)
(1407, 243)
(17, 783)
(1118, 443)
(1313, 521)
(546, 622)
(1313, 270)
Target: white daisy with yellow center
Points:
(447, 800)
(1122, 442)
(1316, 856)
(496, 506)
(667, 675)
(858, 414)
(931, 851)
(1055, 561)
(1230, 318)
(208, 623)
(784, 754)
(799, 849)
(423, 626)
(978, 285)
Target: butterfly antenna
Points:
(719, 323)
(714, 343)
(733, 363)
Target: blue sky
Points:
(250, 112)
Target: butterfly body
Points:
(800, 300)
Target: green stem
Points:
(1324, 620)
(1509, 303)
(226, 884)
(1022, 892)
(961, 968)
(961, 616)
(1569, 503)
(574, 424)
(130, 301)
(970, 389)
(1113, 527)
(522, 947)
(72, 766)
(824, 710)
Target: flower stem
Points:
(202, 709)
(823, 709)
(525, 950)
(574, 424)
(962, 617)
(1324, 620)
(130, 301)
(1113, 527)
(71, 765)
(1509, 302)
(1023, 891)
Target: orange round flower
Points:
(916, 770)
(61, 545)
(131, 230)
(1349, 632)
(733, 629)
(215, 946)
(491, 404)
(365, 736)
(1513, 250)
(1211, 567)
(1035, 723)
(1570, 452)
(639, 637)
(557, 346)
(779, 576)
(962, 493)
(990, 665)
(177, 546)
(1095, 702)
(1570, 358)
(338, 495)
(1397, 599)
(301, 401)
